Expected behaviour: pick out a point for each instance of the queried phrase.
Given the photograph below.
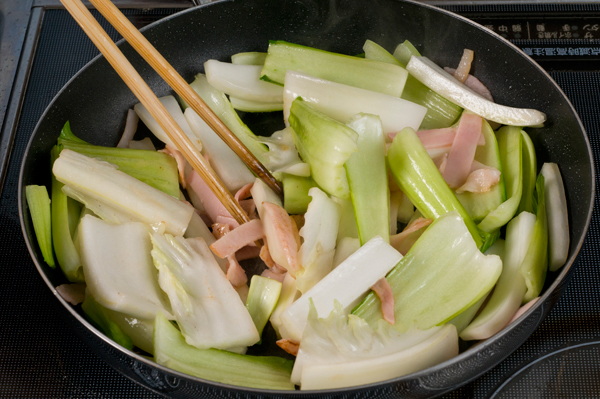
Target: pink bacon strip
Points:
(463, 149)
(238, 238)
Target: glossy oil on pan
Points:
(96, 101)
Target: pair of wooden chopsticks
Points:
(141, 90)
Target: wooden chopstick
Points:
(116, 18)
(141, 90)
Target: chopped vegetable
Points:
(39, 208)
(262, 299)
(558, 220)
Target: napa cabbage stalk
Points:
(432, 287)
(325, 145)
(261, 372)
(117, 197)
(343, 350)
(347, 284)
(118, 267)
(319, 235)
(206, 307)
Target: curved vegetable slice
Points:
(100, 184)
(558, 218)
(38, 202)
(440, 81)
(420, 180)
(508, 294)
(255, 106)
(262, 299)
(341, 102)
(262, 372)
(347, 283)
(535, 264)
(206, 306)
(325, 145)
(479, 205)
(118, 267)
(343, 350)
(510, 145)
(249, 58)
(432, 287)
(367, 176)
(230, 168)
(353, 71)
(529, 174)
(319, 232)
(100, 318)
(241, 81)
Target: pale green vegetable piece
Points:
(510, 146)
(343, 350)
(206, 306)
(249, 58)
(100, 318)
(404, 51)
(116, 196)
(262, 372)
(353, 71)
(255, 106)
(262, 193)
(289, 293)
(319, 235)
(118, 267)
(347, 284)
(535, 264)
(558, 218)
(367, 176)
(432, 287)
(508, 294)
(529, 174)
(295, 193)
(262, 299)
(325, 145)
(39, 208)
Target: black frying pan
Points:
(95, 101)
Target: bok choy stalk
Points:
(118, 267)
(220, 105)
(367, 176)
(420, 180)
(153, 168)
(249, 58)
(39, 208)
(262, 372)
(229, 167)
(341, 102)
(262, 193)
(535, 264)
(140, 331)
(558, 218)
(440, 112)
(171, 105)
(479, 205)
(100, 318)
(343, 350)
(116, 196)
(348, 226)
(463, 320)
(254, 106)
(353, 71)
(262, 299)
(65, 216)
(241, 81)
(325, 145)
(529, 174)
(283, 156)
(510, 146)
(289, 294)
(319, 235)
(295, 193)
(207, 308)
(508, 294)
(347, 284)
(432, 287)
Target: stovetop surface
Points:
(41, 358)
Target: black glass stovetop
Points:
(41, 358)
